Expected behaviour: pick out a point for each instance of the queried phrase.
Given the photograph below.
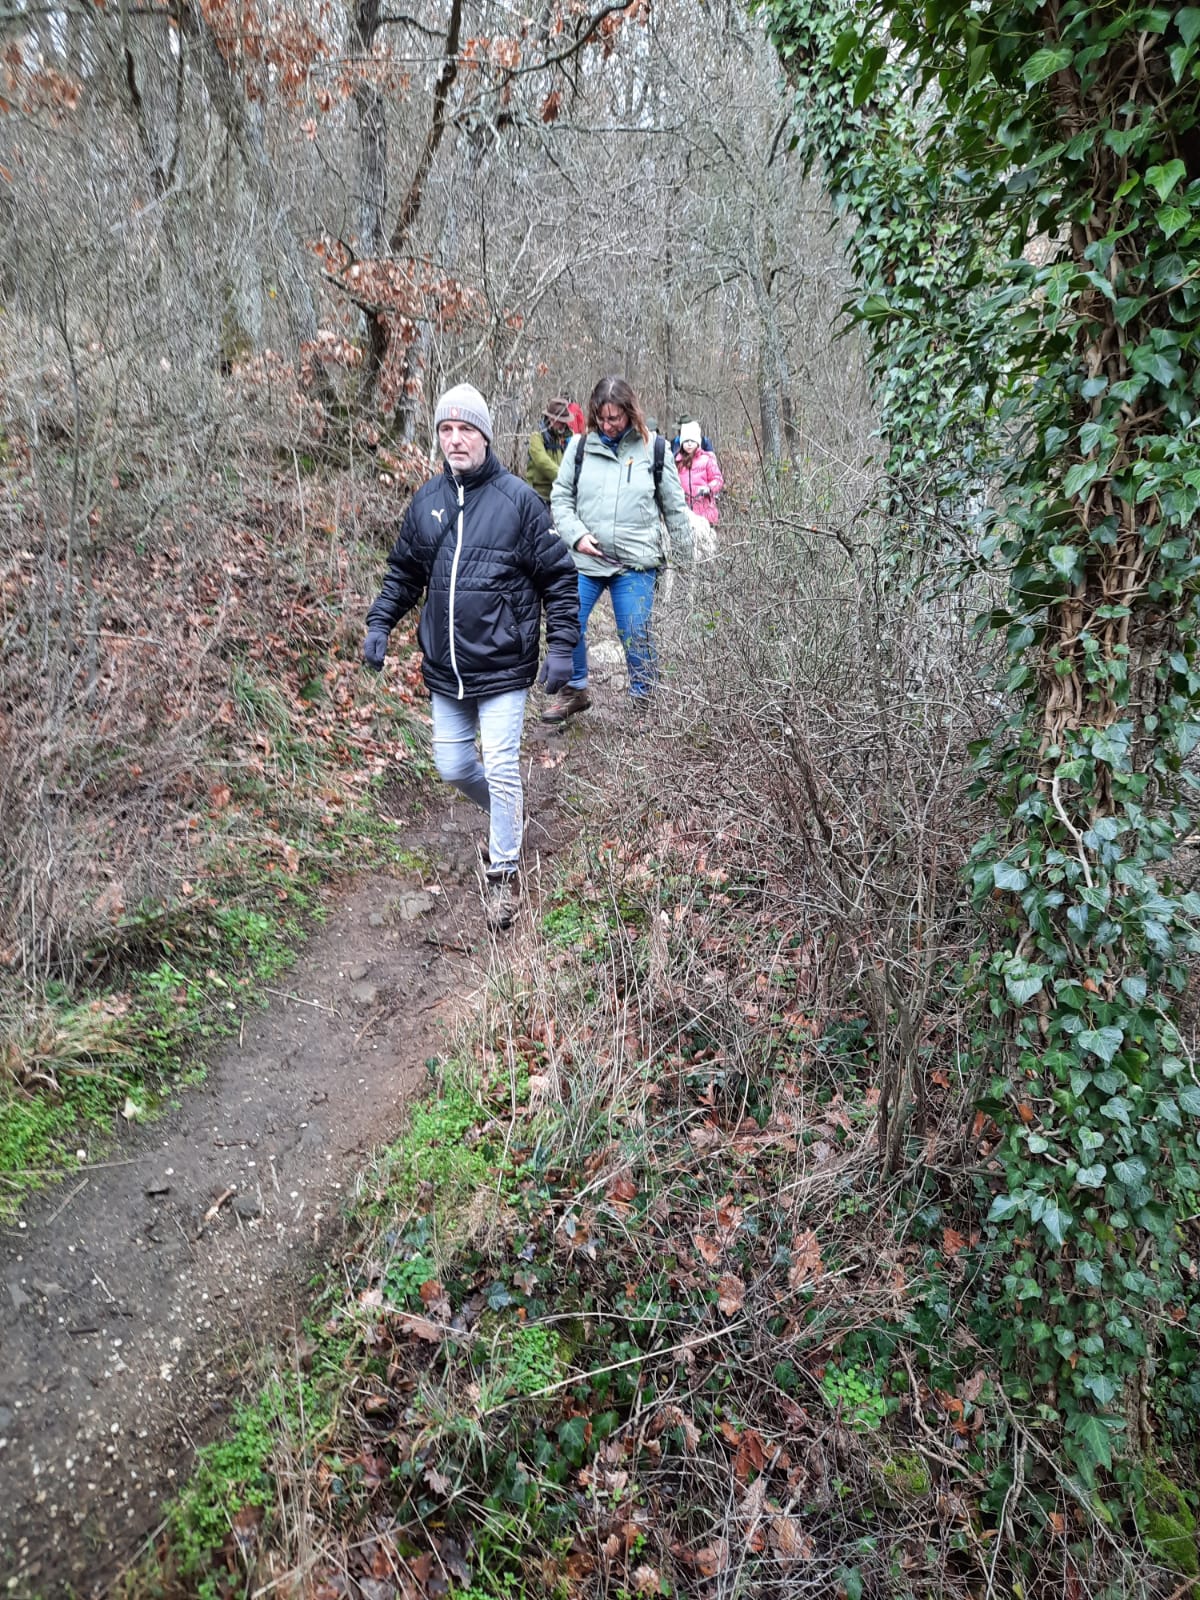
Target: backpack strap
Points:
(660, 455)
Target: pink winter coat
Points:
(702, 473)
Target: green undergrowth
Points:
(629, 1312)
(150, 997)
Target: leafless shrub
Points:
(813, 733)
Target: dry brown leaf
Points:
(789, 1540)
(731, 1293)
(806, 1259)
(421, 1327)
(622, 1187)
(751, 1456)
(709, 1249)
(436, 1298)
(710, 1560)
(973, 1387)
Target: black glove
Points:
(375, 648)
(558, 670)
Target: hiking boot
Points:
(501, 896)
(565, 704)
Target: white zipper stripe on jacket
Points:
(453, 588)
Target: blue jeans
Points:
(632, 602)
(494, 783)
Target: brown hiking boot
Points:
(501, 896)
(565, 704)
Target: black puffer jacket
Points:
(482, 549)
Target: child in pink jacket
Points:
(699, 474)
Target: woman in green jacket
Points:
(546, 448)
(615, 487)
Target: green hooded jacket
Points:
(616, 505)
(544, 461)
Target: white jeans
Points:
(494, 783)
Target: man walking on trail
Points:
(479, 544)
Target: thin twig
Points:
(78, 1189)
(300, 1000)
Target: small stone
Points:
(247, 1206)
(412, 904)
(376, 920)
(6, 1419)
(359, 970)
(364, 995)
(47, 1289)
(19, 1298)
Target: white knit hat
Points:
(464, 404)
(690, 434)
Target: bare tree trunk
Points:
(372, 182)
(768, 372)
(406, 411)
(670, 378)
(229, 102)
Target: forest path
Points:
(135, 1296)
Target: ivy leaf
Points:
(1004, 1206)
(1102, 1386)
(1093, 1439)
(1171, 218)
(1080, 476)
(1187, 20)
(1102, 1042)
(1117, 1109)
(1091, 1177)
(1042, 64)
(1189, 1099)
(573, 1436)
(1130, 1172)
(1162, 179)
(1155, 364)
(1006, 876)
(1064, 558)
(1023, 980)
(1056, 1221)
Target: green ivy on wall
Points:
(1022, 185)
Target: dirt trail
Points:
(133, 1295)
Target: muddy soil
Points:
(134, 1298)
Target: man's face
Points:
(463, 446)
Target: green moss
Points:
(1167, 1524)
(904, 1476)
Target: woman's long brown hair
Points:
(616, 392)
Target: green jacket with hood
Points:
(545, 458)
(617, 506)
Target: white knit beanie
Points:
(690, 434)
(464, 404)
